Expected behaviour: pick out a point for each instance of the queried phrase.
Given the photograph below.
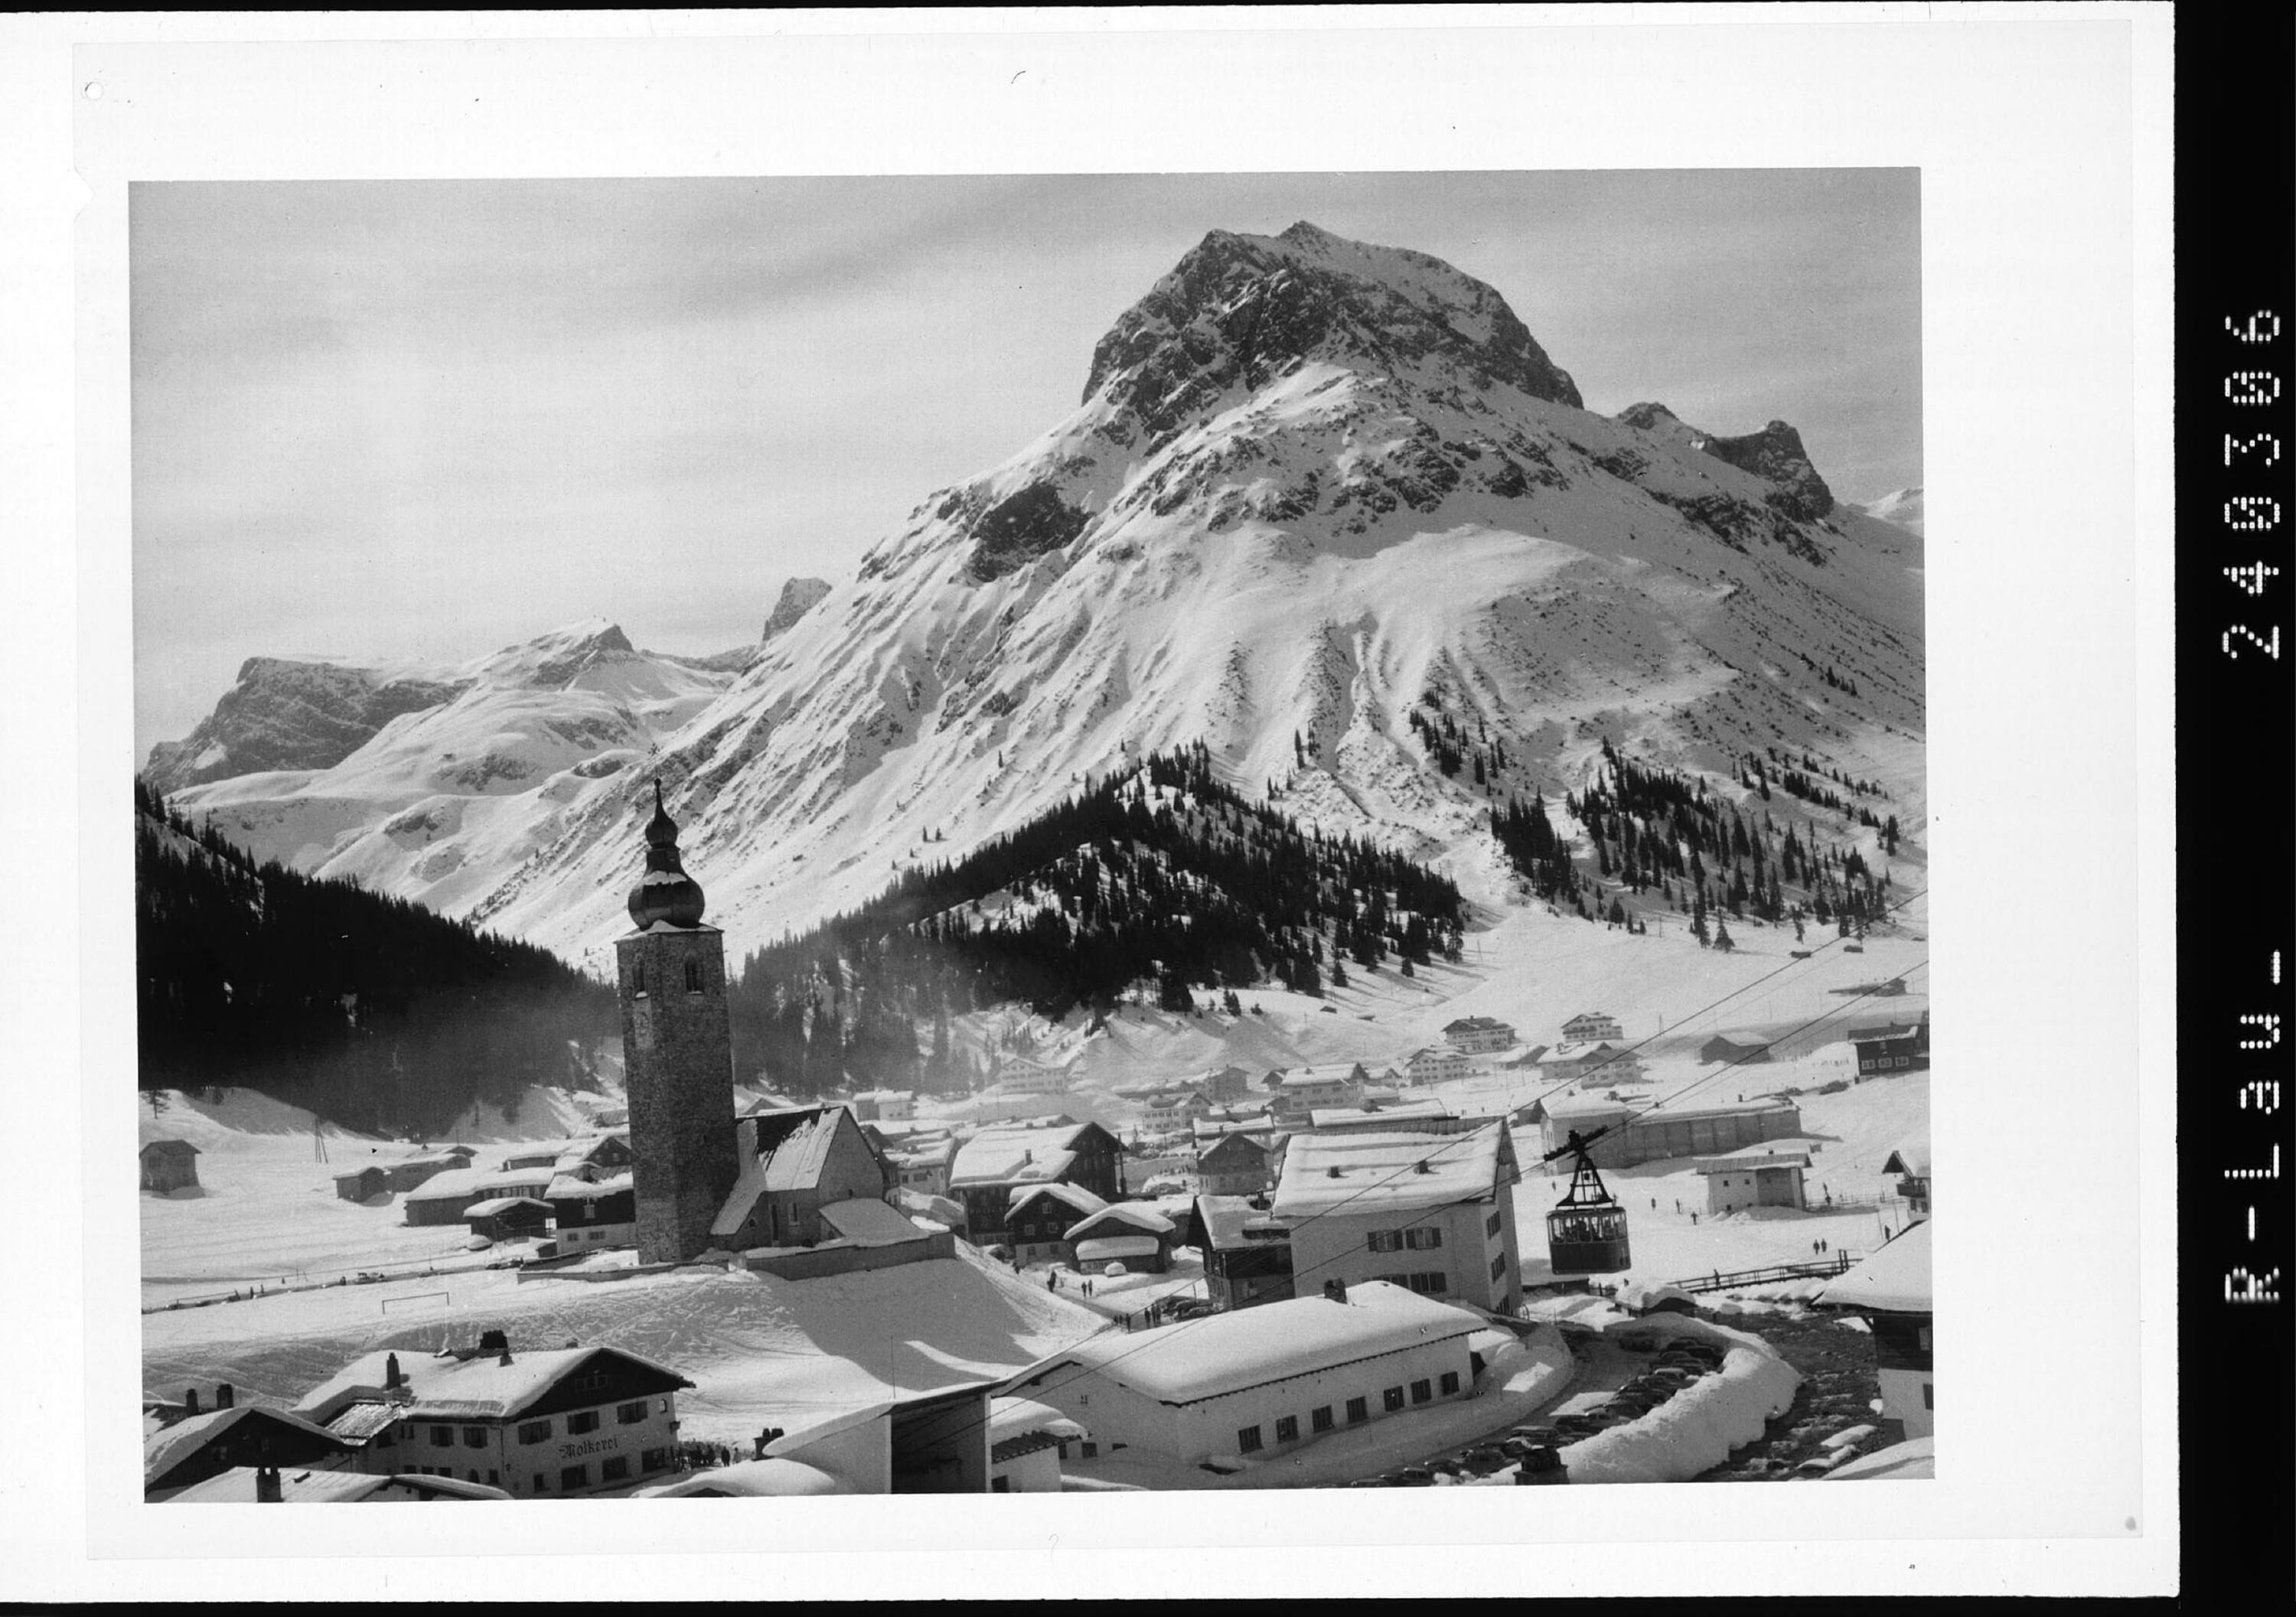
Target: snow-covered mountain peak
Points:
(1244, 309)
(1775, 454)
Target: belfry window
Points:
(694, 976)
(638, 978)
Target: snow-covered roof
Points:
(1226, 1218)
(1579, 1108)
(766, 1479)
(479, 1387)
(360, 1173)
(1469, 1024)
(1874, 1035)
(477, 1182)
(1900, 1462)
(1011, 1418)
(1222, 1354)
(1380, 1171)
(1308, 1077)
(1003, 1155)
(238, 1486)
(568, 1188)
(866, 1223)
(1751, 1157)
(1334, 1117)
(492, 1205)
(1073, 1195)
(1124, 1215)
(1100, 1249)
(784, 1150)
(1589, 1049)
(1895, 1279)
(171, 1446)
(358, 1422)
(169, 1148)
(1911, 1159)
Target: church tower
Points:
(677, 1049)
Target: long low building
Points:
(1263, 1380)
(1640, 1134)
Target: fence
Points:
(1834, 1263)
(417, 1297)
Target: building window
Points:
(1247, 1441)
(694, 976)
(1424, 1238)
(1320, 1420)
(1929, 1399)
(474, 1437)
(661, 1405)
(1386, 1240)
(534, 1432)
(615, 1469)
(1450, 1383)
(1498, 1266)
(1287, 1428)
(572, 1478)
(1000, 1484)
(637, 979)
(1491, 1225)
(442, 1437)
(1421, 1390)
(586, 1420)
(654, 1459)
(629, 1414)
(541, 1483)
(1358, 1411)
(1392, 1398)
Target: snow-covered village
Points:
(1341, 918)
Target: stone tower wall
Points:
(678, 1052)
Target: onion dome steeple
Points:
(665, 892)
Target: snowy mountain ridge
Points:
(1313, 487)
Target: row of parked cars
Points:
(1536, 1448)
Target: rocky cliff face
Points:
(1775, 454)
(798, 596)
(285, 714)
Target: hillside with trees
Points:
(1664, 841)
(1160, 880)
(372, 1012)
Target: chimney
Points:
(494, 1342)
(392, 1376)
(266, 1484)
(1331, 1172)
(191, 1400)
(1421, 1165)
(223, 1395)
(1336, 1290)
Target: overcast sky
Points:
(433, 418)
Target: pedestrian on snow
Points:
(1693, 1218)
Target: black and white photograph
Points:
(1193, 826)
(1348, 911)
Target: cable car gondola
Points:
(1586, 1232)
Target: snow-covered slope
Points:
(437, 798)
(1903, 507)
(1312, 486)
